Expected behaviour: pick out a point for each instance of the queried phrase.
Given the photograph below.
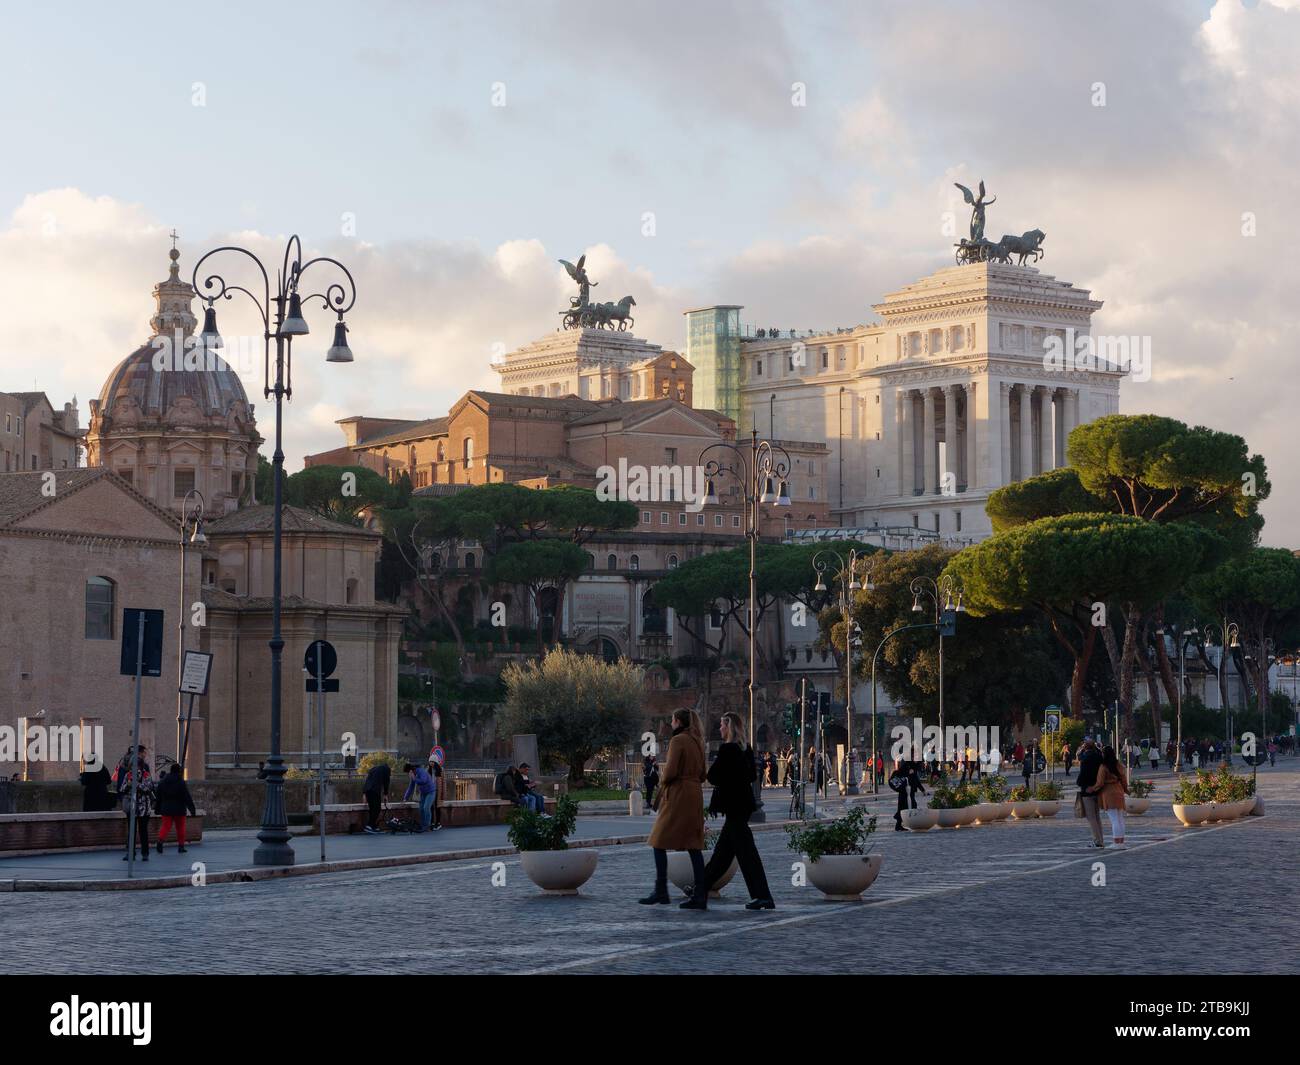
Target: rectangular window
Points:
(699, 519)
(646, 517)
(672, 455)
(9, 423)
(758, 367)
(937, 524)
(715, 618)
(681, 518)
(958, 516)
(735, 521)
(182, 482)
(663, 517)
(99, 609)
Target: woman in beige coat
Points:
(1110, 789)
(679, 825)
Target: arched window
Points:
(467, 451)
(100, 595)
(672, 561)
(634, 562)
(611, 562)
(352, 590)
(469, 559)
(591, 560)
(442, 454)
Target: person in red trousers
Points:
(174, 801)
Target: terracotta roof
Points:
(30, 399)
(22, 493)
(412, 431)
(551, 402)
(293, 520)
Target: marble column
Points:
(1046, 430)
(930, 469)
(1026, 465)
(972, 455)
(906, 442)
(951, 449)
(1003, 470)
(1070, 412)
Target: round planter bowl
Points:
(1048, 807)
(985, 812)
(844, 877)
(951, 818)
(1024, 811)
(920, 820)
(968, 815)
(1193, 814)
(682, 875)
(559, 872)
(1136, 807)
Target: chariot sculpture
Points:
(583, 314)
(979, 249)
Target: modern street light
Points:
(282, 320)
(763, 480)
(847, 576)
(941, 593)
(191, 533)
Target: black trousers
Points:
(141, 833)
(372, 799)
(661, 867)
(737, 841)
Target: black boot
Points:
(760, 904)
(658, 897)
(698, 900)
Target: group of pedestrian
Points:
(679, 825)
(140, 795)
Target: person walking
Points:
(423, 786)
(1027, 768)
(135, 767)
(1090, 760)
(914, 782)
(174, 802)
(379, 782)
(680, 823)
(1110, 788)
(1154, 753)
(435, 771)
(94, 784)
(650, 777)
(732, 777)
(898, 784)
(1067, 756)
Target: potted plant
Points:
(1213, 796)
(920, 820)
(994, 791)
(836, 854)
(1047, 797)
(948, 806)
(683, 876)
(1136, 802)
(1023, 806)
(544, 854)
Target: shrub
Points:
(374, 758)
(843, 835)
(968, 795)
(943, 797)
(1048, 791)
(531, 831)
(1020, 793)
(994, 788)
(1140, 789)
(1221, 785)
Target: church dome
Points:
(153, 382)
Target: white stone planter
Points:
(985, 812)
(1024, 811)
(1048, 807)
(683, 876)
(968, 815)
(951, 818)
(1136, 807)
(1194, 814)
(844, 877)
(559, 872)
(920, 820)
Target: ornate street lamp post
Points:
(762, 477)
(282, 320)
(847, 577)
(1228, 633)
(941, 593)
(191, 533)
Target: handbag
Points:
(1078, 805)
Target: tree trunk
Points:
(1162, 659)
(1132, 619)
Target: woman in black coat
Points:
(732, 775)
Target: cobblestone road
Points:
(1003, 898)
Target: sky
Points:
(795, 158)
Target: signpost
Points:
(195, 669)
(1051, 727)
(437, 754)
(142, 634)
(319, 661)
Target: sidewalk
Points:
(227, 856)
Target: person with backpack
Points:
(174, 801)
(422, 783)
(379, 781)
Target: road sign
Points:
(437, 754)
(1052, 716)
(320, 660)
(194, 673)
(153, 640)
